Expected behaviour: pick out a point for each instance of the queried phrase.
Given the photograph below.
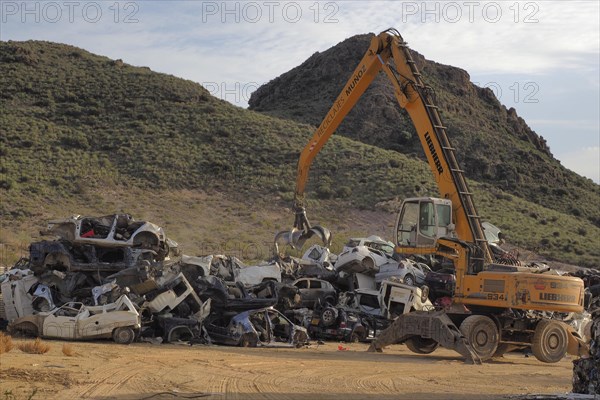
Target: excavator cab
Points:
(423, 220)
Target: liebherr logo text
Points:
(557, 297)
(434, 155)
(357, 77)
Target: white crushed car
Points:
(365, 255)
(119, 321)
(111, 231)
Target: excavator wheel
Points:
(550, 341)
(482, 334)
(420, 345)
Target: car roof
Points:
(373, 238)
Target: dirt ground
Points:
(104, 370)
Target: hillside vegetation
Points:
(494, 144)
(85, 134)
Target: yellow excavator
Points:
(495, 306)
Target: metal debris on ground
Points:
(586, 370)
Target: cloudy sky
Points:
(541, 57)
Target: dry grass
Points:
(35, 347)
(68, 350)
(6, 343)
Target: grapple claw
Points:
(296, 237)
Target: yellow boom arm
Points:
(389, 52)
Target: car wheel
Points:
(328, 316)
(358, 335)
(123, 335)
(409, 279)
(26, 329)
(146, 241)
(420, 345)
(248, 340)
(300, 338)
(368, 264)
(550, 341)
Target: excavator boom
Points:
(389, 52)
(494, 294)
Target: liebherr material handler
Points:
(496, 305)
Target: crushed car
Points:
(232, 269)
(117, 230)
(235, 296)
(410, 272)
(69, 257)
(391, 300)
(365, 255)
(119, 321)
(315, 291)
(264, 327)
(441, 283)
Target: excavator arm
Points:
(389, 52)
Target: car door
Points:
(62, 323)
(303, 288)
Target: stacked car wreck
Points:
(115, 277)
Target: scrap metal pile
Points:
(115, 277)
(586, 370)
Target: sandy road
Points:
(104, 370)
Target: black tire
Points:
(550, 341)
(358, 335)
(409, 280)
(482, 334)
(123, 335)
(25, 330)
(300, 339)
(248, 340)
(368, 264)
(146, 240)
(329, 316)
(420, 345)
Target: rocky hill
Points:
(82, 133)
(494, 144)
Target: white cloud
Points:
(585, 162)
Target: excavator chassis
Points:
(434, 325)
(514, 332)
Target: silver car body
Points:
(401, 269)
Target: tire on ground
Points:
(248, 340)
(550, 341)
(482, 334)
(123, 335)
